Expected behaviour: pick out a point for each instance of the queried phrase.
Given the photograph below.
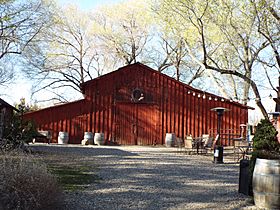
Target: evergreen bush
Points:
(16, 133)
(265, 146)
(265, 143)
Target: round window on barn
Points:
(137, 95)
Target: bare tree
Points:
(268, 23)
(170, 55)
(20, 24)
(80, 46)
(67, 55)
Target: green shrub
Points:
(17, 133)
(26, 184)
(265, 138)
(265, 145)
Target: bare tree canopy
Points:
(230, 47)
(65, 53)
(20, 23)
(80, 46)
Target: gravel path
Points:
(153, 178)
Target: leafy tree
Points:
(124, 30)
(23, 107)
(134, 33)
(79, 46)
(196, 41)
(180, 18)
(221, 37)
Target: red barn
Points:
(136, 105)
(6, 113)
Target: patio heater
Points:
(219, 149)
(242, 134)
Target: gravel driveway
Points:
(135, 177)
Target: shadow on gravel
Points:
(86, 151)
(167, 182)
(155, 180)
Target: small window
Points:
(137, 95)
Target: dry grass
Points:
(27, 184)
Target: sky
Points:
(87, 4)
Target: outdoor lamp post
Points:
(218, 149)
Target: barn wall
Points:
(72, 118)
(168, 107)
(6, 113)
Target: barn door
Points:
(78, 129)
(136, 124)
(125, 124)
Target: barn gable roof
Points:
(147, 68)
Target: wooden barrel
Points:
(99, 138)
(63, 138)
(170, 139)
(266, 184)
(88, 136)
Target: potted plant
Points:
(265, 163)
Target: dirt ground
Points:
(138, 177)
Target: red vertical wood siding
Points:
(168, 106)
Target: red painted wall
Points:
(168, 106)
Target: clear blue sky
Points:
(88, 4)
